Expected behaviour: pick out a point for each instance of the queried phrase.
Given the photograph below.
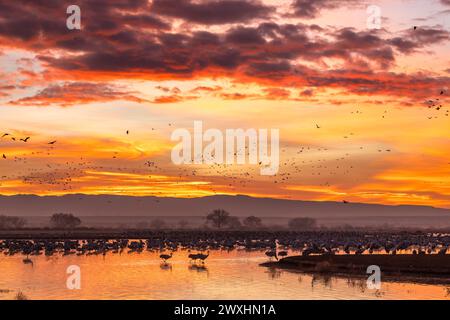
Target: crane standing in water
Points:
(202, 256)
(166, 257)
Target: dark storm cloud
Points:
(245, 36)
(311, 8)
(46, 20)
(412, 39)
(429, 35)
(248, 48)
(68, 94)
(212, 11)
(270, 69)
(403, 45)
(126, 39)
(348, 38)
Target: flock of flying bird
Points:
(8, 135)
(322, 165)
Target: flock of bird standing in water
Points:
(197, 245)
(274, 245)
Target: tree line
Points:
(219, 219)
(222, 219)
(57, 221)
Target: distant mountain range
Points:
(110, 205)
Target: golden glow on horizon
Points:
(340, 160)
(380, 146)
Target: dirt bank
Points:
(402, 264)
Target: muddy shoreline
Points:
(428, 268)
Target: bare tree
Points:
(218, 218)
(64, 221)
(252, 222)
(8, 222)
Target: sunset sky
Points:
(151, 67)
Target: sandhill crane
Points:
(193, 256)
(166, 257)
(282, 253)
(272, 254)
(202, 256)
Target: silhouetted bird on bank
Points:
(282, 253)
(272, 254)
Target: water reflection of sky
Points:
(225, 275)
